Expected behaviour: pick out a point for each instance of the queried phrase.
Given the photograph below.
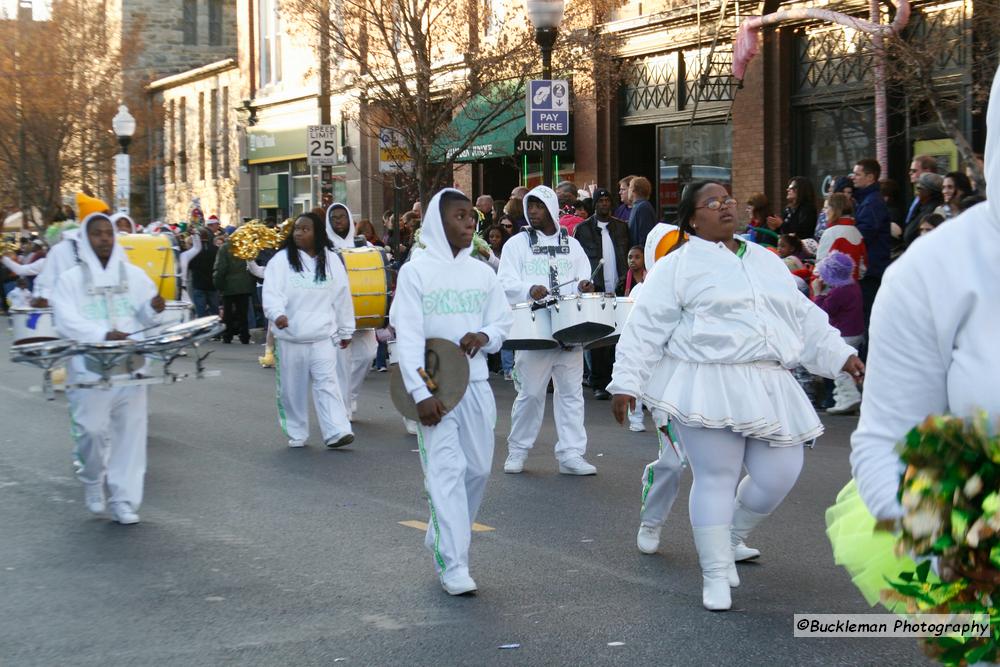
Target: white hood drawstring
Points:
(335, 238)
(111, 275)
(547, 196)
(432, 235)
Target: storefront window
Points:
(832, 140)
(691, 153)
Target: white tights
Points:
(717, 457)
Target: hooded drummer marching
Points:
(446, 293)
(526, 274)
(104, 298)
(356, 360)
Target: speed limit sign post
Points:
(321, 145)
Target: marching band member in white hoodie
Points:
(525, 273)
(308, 302)
(722, 322)
(356, 360)
(446, 293)
(106, 298)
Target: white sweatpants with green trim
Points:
(354, 362)
(109, 428)
(661, 480)
(298, 365)
(456, 456)
(532, 371)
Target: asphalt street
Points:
(253, 554)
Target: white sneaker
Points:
(339, 440)
(93, 495)
(648, 539)
(576, 465)
(459, 584)
(742, 552)
(123, 513)
(295, 444)
(514, 463)
(637, 427)
(412, 426)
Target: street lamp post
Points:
(123, 125)
(545, 16)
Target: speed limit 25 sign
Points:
(321, 145)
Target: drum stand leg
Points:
(47, 389)
(200, 361)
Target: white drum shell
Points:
(582, 318)
(532, 329)
(28, 328)
(623, 307)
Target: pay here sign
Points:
(547, 109)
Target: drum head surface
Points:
(579, 334)
(448, 367)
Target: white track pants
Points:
(298, 364)
(717, 457)
(456, 456)
(661, 480)
(109, 427)
(354, 364)
(532, 370)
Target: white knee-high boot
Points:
(715, 554)
(744, 520)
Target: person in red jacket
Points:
(842, 235)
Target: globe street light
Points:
(123, 125)
(545, 16)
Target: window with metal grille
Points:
(224, 120)
(201, 136)
(213, 110)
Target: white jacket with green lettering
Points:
(439, 295)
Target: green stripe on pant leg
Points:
(439, 559)
(282, 420)
(648, 482)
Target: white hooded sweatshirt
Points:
(91, 299)
(61, 257)
(315, 310)
(440, 295)
(521, 269)
(338, 242)
(124, 216)
(932, 346)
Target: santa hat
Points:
(213, 219)
(86, 205)
(836, 269)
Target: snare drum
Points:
(155, 254)
(111, 357)
(623, 306)
(32, 325)
(532, 329)
(368, 276)
(176, 312)
(582, 318)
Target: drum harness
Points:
(551, 251)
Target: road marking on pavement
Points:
(420, 525)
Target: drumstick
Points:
(431, 384)
(592, 275)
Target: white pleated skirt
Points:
(759, 399)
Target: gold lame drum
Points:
(155, 254)
(31, 325)
(368, 276)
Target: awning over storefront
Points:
(276, 145)
(497, 141)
